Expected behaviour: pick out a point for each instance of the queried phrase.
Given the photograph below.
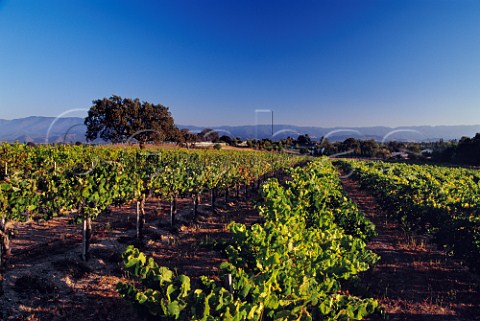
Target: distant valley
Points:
(39, 129)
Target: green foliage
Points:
(289, 268)
(48, 181)
(119, 120)
(83, 181)
(440, 200)
(466, 151)
(165, 294)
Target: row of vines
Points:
(440, 200)
(83, 181)
(292, 266)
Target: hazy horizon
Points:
(213, 63)
(277, 124)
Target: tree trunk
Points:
(237, 192)
(87, 230)
(226, 195)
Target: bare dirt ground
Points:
(46, 280)
(414, 280)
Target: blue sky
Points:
(315, 63)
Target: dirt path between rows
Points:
(414, 280)
(46, 280)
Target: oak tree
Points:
(124, 120)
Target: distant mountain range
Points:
(39, 129)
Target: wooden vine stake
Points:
(213, 195)
(86, 232)
(4, 238)
(140, 216)
(228, 282)
(196, 201)
(139, 232)
(173, 209)
(4, 243)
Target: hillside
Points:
(40, 129)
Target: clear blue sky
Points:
(315, 63)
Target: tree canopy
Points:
(121, 120)
(208, 134)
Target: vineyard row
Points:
(293, 266)
(442, 201)
(83, 181)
